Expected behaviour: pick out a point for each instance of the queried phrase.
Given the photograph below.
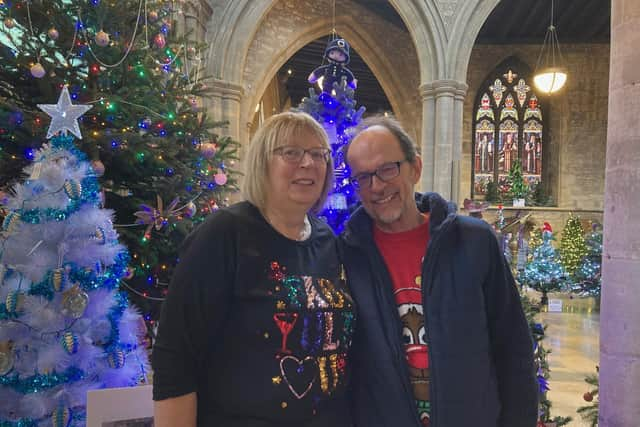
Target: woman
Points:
(257, 322)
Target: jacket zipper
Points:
(399, 357)
(427, 277)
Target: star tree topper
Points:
(64, 115)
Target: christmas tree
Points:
(335, 109)
(518, 188)
(535, 240)
(586, 280)
(590, 411)
(162, 168)
(544, 273)
(531, 309)
(572, 245)
(65, 327)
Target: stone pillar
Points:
(224, 105)
(458, 108)
(442, 104)
(620, 312)
(428, 138)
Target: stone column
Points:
(224, 105)
(458, 108)
(428, 137)
(442, 103)
(620, 312)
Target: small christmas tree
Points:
(335, 109)
(590, 412)
(65, 328)
(544, 273)
(492, 194)
(538, 196)
(518, 188)
(572, 245)
(587, 279)
(535, 240)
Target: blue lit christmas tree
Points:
(544, 273)
(65, 327)
(335, 109)
(587, 278)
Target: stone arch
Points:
(464, 33)
(233, 32)
(397, 92)
(428, 33)
(269, 50)
(240, 19)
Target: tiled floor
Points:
(573, 335)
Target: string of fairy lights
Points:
(89, 44)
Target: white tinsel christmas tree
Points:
(65, 328)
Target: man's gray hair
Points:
(392, 125)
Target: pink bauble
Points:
(98, 167)
(53, 33)
(193, 101)
(102, 38)
(159, 41)
(37, 70)
(208, 150)
(220, 178)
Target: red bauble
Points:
(587, 397)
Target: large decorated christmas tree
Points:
(65, 326)
(334, 107)
(161, 165)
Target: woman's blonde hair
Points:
(278, 130)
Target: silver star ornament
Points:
(64, 115)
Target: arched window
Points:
(507, 123)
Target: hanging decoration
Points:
(64, 115)
(37, 70)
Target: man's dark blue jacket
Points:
(480, 348)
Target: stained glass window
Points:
(508, 127)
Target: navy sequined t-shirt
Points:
(257, 325)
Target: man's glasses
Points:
(385, 172)
(292, 154)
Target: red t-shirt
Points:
(403, 254)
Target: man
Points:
(441, 338)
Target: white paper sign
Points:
(555, 305)
(119, 407)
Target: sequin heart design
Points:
(299, 374)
